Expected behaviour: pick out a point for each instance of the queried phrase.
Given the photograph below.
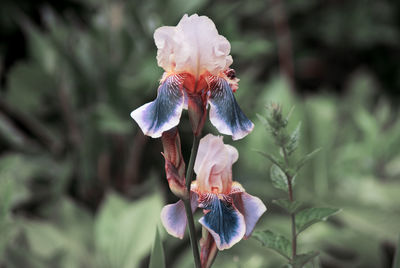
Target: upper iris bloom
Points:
(196, 61)
(230, 212)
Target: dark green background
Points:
(80, 186)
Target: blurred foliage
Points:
(81, 187)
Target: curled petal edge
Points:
(225, 113)
(173, 216)
(165, 111)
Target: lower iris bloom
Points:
(230, 213)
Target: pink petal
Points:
(173, 216)
(194, 46)
(213, 164)
(251, 207)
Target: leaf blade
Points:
(310, 216)
(290, 207)
(276, 242)
(157, 257)
(278, 178)
(302, 259)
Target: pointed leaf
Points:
(278, 178)
(277, 242)
(271, 158)
(157, 259)
(302, 259)
(294, 140)
(290, 207)
(308, 217)
(263, 121)
(307, 157)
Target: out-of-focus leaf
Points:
(287, 205)
(28, 86)
(302, 259)
(309, 216)
(111, 122)
(396, 261)
(124, 230)
(277, 242)
(157, 259)
(278, 178)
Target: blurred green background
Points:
(80, 186)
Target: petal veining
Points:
(222, 220)
(225, 113)
(165, 111)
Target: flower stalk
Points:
(186, 201)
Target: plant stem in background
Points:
(189, 214)
(293, 214)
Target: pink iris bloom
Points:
(196, 61)
(230, 213)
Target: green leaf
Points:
(302, 259)
(277, 242)
(124, 230)
(278, 178)
(307, 157)
(309, 216)
(396, 262)
(271, 158)
(157, 259)
(263, 121)
(290, 207)
(293, 140)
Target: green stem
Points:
(292, 215)
(189, 214)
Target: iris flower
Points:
(230, 213)
(196, 61)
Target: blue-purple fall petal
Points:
(223, 221)
(225, 113)
(251, 208)
(165, 111)
(173, 216)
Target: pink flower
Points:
(230, 213)
(196, 61)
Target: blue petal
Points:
(165, 111)
(225, 113)
(223, 221)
